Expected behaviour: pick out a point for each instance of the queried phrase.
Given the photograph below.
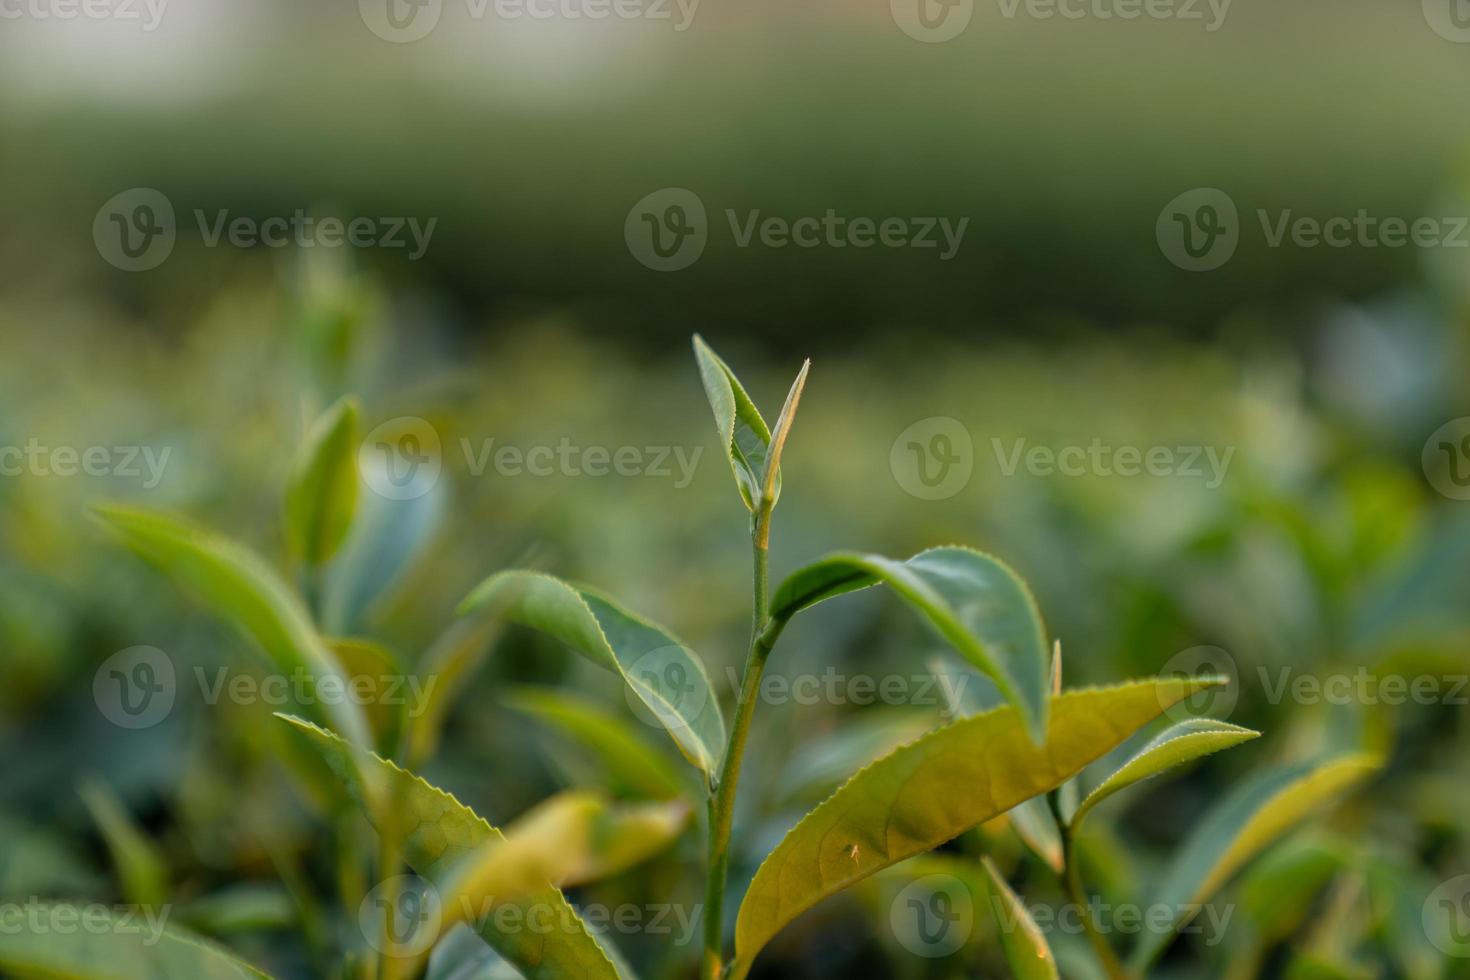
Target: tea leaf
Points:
(666, 675)
(745, 435)
(932, 790)
(321, 493)
(238, 585)
(771, 477)
(1025, 947)
(628, 759)
(450, 660)
(1255, 813)
(141, 871)
(376, 664)
(111, 948)
(1176, 745)
(974, 601)
(435, 832)
(571, 839)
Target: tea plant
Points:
(1017, 761)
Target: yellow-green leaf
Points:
(238, 585)
(665, 674)
(932, 790)
(1025, 947)
(136, 947)
(571, 839)
(629, 760)
(1176, 745)
(744, 434)
(975, 602)
(1252, 815)
(435, 832)
(321, 492)
(140, 868)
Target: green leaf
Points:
(743, 432)
(1255, 813)
(571, 839)
(1176, 745)
(238, 585)
(933, 789)
(665, 674)
(321, 492)
(451, 660)
(435, 832)
(136, 947)
(382, 673)
(973, 600)
(1025, 947)
(140, 868)
(1278, 890)
(629, 760)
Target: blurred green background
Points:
(1327, 546)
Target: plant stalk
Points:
(1072, 881)
(722, 798)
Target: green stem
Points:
(1077, 895)
(722, 798)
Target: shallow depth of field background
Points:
(1337, 540)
